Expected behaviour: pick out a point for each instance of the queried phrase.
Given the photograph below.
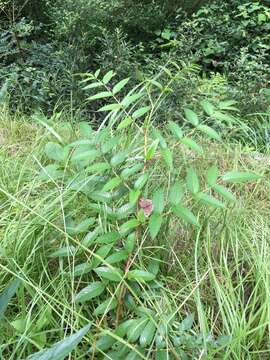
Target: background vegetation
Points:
(134, 192)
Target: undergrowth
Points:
(132, 242)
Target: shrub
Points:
(115, 248)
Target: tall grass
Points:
(220, 272)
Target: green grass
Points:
(220, 272)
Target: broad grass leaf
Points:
(90, 292)
(240, 177)
(191, 117)
(112, 274)
(224, 192)
(61, 349)
(192, 181)
(106, 306)
(140, 275)
(185, 214)
(7, 295)
(176, 193)
(155, 223)
(209, 200)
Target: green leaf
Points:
(129, 225)
(84, 155)
(100, 95)
(81, 227)
(130, 243)
(192, 117)
(126, 173)
(110, 107)
(141, 181)
(107, 77)
(92, 86)
(112, 184)
(168, 158)
(98, 168)
(155, 223)
(102, 252)
(159, 201)
(187, 323)
(108, 238)
(56, 152)
(185, 214)
(221, 190)
(140, 275)
(209, 200)
(192, 180)
(91, 237)
(192, 145)
(104, 343)
(212, 175)
(134, 196)
(175, 129)
(240, 177)
(85, 129)
(106, 306)
(207, 107)
(152, 150)
(136, 329)
(112, 274)
(64, 252)
(176, 193)
(227, 118)
(120, 85)
(90, 292)
(7, 295)
(148, 334)
(125, 123)
(130, 99)
(50, 172)
(118, 256)
(118, 158)
(110, 144)
(140, 112)
(209, 131)
(61, 349)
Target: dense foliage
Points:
(44, 45)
